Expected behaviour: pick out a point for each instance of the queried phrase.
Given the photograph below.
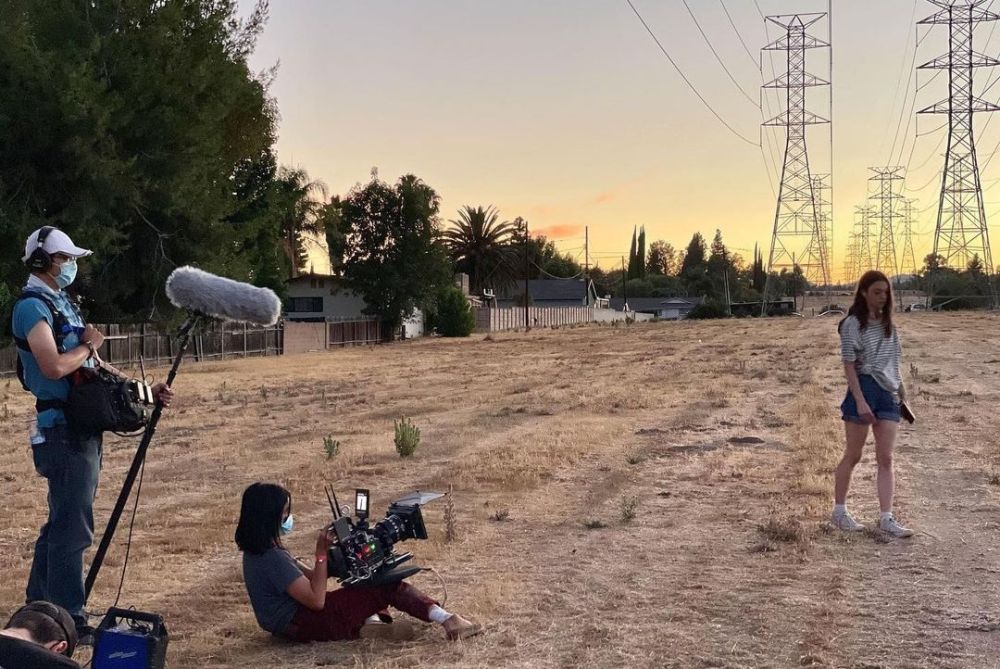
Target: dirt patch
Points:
(608, 514)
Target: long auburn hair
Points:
(860, 307)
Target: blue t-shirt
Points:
(267, 578)
(26, 315)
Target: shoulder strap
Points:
(59, 320)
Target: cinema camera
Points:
(362, 554)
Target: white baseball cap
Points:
(56, 241)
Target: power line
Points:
(715, 53)
(738, 35)
(686, 80)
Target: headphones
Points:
(40, 260)
(52, 612)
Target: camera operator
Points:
(53, 342)
(291, 600)
(39, 635)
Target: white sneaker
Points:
(843, 521)
(894, 529)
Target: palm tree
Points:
(479, 244)
(300, 210)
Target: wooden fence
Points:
(508, 318)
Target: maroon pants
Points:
(346, 610)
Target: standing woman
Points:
(871, 352)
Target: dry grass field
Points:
(650, 496)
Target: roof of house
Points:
(309, 276)
(655, 303)
(547, 290)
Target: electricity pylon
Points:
(961, 233)
(887, 212)
(797, 238)
(908, 259)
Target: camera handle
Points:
(184, 337)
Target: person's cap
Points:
(56, 241)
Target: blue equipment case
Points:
(129, 639)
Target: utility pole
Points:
(796, 219)
(527, 324)
(624, 287)
(886, 197)
(586, 265)
(961, 233)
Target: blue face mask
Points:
(67, 273)
(287, 524)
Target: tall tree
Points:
(133, 125)
(392, 251)
(640, 254)
(661, 258)
(301, 203)
(480, 246)
(632, 255)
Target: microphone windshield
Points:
(193, 289)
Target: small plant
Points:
(629, 505)
(501, 515)
(633, 458)
(783, 530)
(330, 446)
(407, 437)
(5, 414)
(263, 391)
(594, 524)
(995, 478)
(221, 394)
(450, 521)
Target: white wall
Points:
(338, 303)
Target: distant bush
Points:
(708, 310)
(454, 317)
(407, 437)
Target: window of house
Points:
(304, 304)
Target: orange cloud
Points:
(605, 197)
(560, 231)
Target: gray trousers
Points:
(71, 464)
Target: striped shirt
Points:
(877, 354)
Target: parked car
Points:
(915, 307)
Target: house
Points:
(550, 293)
(665, 308)
(321, 297)
(325, 298)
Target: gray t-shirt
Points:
(877, 354)
(267, 578)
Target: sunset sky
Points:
(567, 113)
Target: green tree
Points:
(480, 246)
(633, 255)
(300, 214)
(640, 254)
(454, 317)
(661, 258)
(134, 126)
(392, 252)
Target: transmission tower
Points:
(908, 259)
(961, 232)
(887, 211)
(797, 239)
(851, 259)
(824, 230)
(866, 260)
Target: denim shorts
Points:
(882, 403)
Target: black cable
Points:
(738, 35)
(131, 524)
(899, 82)
(686, 80)
(715, 53)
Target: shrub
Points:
(407, 437)
(708, 310)
(454, 317)
(330, 446)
